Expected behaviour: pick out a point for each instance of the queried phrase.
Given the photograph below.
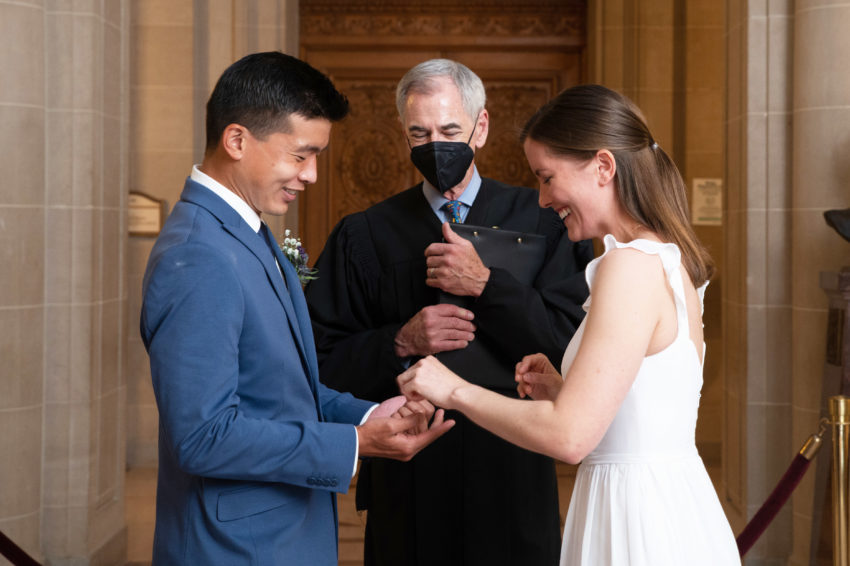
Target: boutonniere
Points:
(297, 256)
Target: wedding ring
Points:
(430, 272)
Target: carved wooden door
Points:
(525, 52)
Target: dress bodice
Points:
(657, 419)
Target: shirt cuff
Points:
(357, 439)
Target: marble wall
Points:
(22, 248)
(787, 130)
(64, 106)
(759, 441)
(820, 180)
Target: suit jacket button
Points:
(334, 483)
(311, 481)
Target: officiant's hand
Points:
(454, 266)
(537, 378)
(434, 329)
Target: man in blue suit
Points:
(252, 448)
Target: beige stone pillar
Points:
(820, 181)
(787, 137)
(85, 176)
(22, 257)
(758, 444)
(63, 103)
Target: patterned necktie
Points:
(453, 206)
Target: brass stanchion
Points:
(839, 412)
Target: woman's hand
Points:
(429, 379)
(537, 378)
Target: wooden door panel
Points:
(510, 104)
(373, 162)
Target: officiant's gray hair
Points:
(419, 79)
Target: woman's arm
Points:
(628, 291)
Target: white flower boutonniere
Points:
(297, 256)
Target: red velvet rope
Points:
(773, 504)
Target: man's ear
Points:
(234, 139)
(482, 128)
(606, 166)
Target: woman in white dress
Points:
(625, 402)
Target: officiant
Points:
(379, 304)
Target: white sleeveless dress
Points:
(643, 496)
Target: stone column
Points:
(820, 181)
(85, 176)
(63, 102)
(22, 256)
(758, 443)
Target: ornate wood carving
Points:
(509, 106)
(410, 25)
(484, 19)
(373, 161)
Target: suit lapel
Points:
(304, 332)
(254, 242)
(291, 300)
(302, 315)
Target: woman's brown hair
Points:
(586, 118)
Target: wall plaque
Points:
(145, 214)
(707, 202)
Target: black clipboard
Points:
(521, 254)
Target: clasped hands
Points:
(430, 380)
(399, 428)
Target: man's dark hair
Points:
(261, 90)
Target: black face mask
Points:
(442, 163)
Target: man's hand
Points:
(454, 266)
(436, 328)
(401, 437)
(399, 406)
(537, 378)
(428, 379)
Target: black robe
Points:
(470, 498)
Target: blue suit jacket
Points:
(252, 448)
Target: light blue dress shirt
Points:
(437, 200)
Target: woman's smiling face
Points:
(570, 187)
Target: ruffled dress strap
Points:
(671, 260)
